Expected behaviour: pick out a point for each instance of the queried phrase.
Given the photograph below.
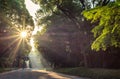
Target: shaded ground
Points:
(35, 74)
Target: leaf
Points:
(107, 32)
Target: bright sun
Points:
(23, 34)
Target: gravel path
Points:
(35, 74)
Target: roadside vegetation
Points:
(94, 73)
(4, 69)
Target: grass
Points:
(93, 73)
(5, 69)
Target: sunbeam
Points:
(14, 40)
(8, 37)
(12, 43)
(36, 58)
(15, 50)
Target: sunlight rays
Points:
(13, 42)
(32, 44)
(8, 37)
(36, 58)
(15, 50)
(19, 36)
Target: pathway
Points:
(35, 74)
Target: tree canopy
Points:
(70, 9)
(13, 12)
(107, 32)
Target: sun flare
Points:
(23, 34)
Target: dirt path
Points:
(35, 74)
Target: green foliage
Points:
(61, 8)
(12, 12)
(107, 32)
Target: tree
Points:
(60, 14)
(13, 15)
(107, 32)
(63, 13)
